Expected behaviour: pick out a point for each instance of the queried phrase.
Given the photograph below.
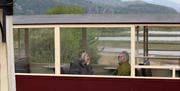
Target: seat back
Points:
(65, 68)
(22, 65)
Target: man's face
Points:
(121, 58)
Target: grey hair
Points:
(83, 55)
(126, 55)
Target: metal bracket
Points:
(7, 6)
(2, 32)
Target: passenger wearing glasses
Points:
(124, 68)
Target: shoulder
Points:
(76, 62)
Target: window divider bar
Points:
(57, 50)
(174, 73)
(133, 50)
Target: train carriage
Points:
(37, 51)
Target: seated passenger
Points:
(81, 66)
(124, 68)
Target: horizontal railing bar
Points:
(158, 57)
(159, 67)
(164, 50)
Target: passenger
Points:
(81, 66)
(123, 68)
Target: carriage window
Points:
(158, 51)
(95, 51)
(34, 50)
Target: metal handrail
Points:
(159, 67)
(150, 57)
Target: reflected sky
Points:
(175, 4)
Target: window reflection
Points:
(102, 45)
(160, 50)
(33, 50)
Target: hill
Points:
(170, 3)
(91, 6)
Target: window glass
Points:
(163, 51)
(34, 50)
(101, 46)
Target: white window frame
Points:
(57, 28)
(7, 74)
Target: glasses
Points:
(121, 56)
